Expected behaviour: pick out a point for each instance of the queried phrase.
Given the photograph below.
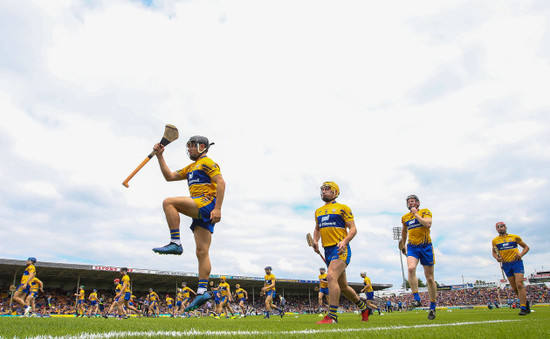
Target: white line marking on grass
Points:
(194, 332)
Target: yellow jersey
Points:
(185, 292)
(169, 301)
(179, 296)
(35, 284)
(93, 296)
(153, 296)
(417, 234)
(118, 288)
(199, 176)
(26, 275)
(331, 219)
(323, 282)
(81, 294)
(268, 280)
(224, 289)
(240, 293)
(126, 279)
(366, 282)
(507, 246)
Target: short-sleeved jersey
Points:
(268, 280)
(332, 219)
(35, 283)
(417, 234)
(81, 294)
(507, 246)
(153, 296)
(366, 282)
(126, 279)
(240, 293)
(179, 296)
(323, 282)
(169, 301)
(26, 275)
(93, 296)
(199, 176)
(118, 288)
(224, 289)
(185, 292)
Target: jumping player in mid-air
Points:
(332, 222)
(25, 286)
(207, 189)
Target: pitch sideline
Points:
(193, 332)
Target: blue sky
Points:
(443, 99)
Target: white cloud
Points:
(443, 99)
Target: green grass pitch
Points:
(476, 323)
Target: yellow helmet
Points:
(335, 189)
(223, 277)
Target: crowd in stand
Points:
(63, 302)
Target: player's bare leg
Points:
(432, 289)
(172, 208)
(412, 263)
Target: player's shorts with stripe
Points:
(242, 300)
(185, 300)
(370, 295)
(324, 290)
(271, 293)
(422, 252)
(512, 267)
(23, 288)
(206, 205)
(223, 299)
(331, 253)
(33, 294)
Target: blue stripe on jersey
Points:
(331, 220)
(198, 177)
(413, 223)
(507, 245)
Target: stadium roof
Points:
(69, 276)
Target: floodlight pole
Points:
(397, 236)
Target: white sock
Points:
(176, 241)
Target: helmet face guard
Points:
(197, 141)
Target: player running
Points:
(36, 284)
(225, 297)
(94, 304)
(368, 290)
(170, 304)
(269, 291)
(416, 225)
(118, 288)
(241, 295)
(332, 222)
(24, 288)
(124, 295)
(323, 288)
(153, 299)
(505, 251)
(80, 302)
(207, 189)
(186, 292)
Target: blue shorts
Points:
(271, 293)
(206, 206)
(223, 299)
(93, 303)
(23, 288)
(178, 303)
(423, 252)
(116, 299)
(324, 290)
(33, 294)
(242, 300)
(186, 300)
(127, 295)
(331, 253)
(81, 302)
(170, 306)
(370, 295)
(512, 267)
